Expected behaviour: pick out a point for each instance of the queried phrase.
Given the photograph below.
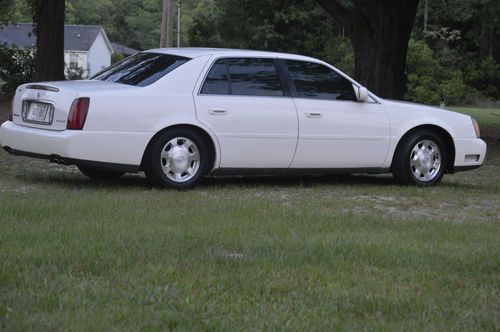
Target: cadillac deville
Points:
(179, 114)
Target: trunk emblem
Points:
(38, 95)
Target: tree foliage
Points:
(135, 23)
(16, 67)
(461, 43)
(428, 81)
(6, 11)
(464, 36)
(279, 25)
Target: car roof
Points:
(194, 52)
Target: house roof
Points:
(76, 37)
(125, 50)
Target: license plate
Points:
(39, 113)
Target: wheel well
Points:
(198, 130)
(443, 134)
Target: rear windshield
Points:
(141, 69)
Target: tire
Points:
(100, 174)
(178, 158)
(420, 159)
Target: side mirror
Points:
(362, 93)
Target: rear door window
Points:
(217, 81)
(244, 77)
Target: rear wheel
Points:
(100, 174)
(178, 159)
(420, 159)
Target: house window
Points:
(73, 58)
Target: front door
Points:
(335, 130)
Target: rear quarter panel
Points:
(147, 109)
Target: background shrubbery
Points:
(16, 67)
(454, 51)
(428, 81)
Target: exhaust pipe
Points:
(8, 149)
(58, 160)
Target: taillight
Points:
(78, 113)
(11, 111)
(476, 127)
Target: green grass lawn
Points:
(257, 253)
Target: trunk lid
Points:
(46, 105)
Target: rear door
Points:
(244, 102)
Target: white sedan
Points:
(178, 114)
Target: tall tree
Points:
(48, 17)
(379, 31)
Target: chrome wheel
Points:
(180, 159)
(425, 160)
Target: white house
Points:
(85, 46)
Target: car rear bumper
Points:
(469, 153)
(124, 148)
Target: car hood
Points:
(406, 106)
(405, 115)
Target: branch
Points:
(337, 11)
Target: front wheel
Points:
(420, 159)
(178, 159)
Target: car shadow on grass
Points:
(75, 180)
(297, 180)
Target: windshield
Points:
(141, 69)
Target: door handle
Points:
(314, 114)
(217, 111)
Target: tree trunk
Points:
(49, 28)
(379, 31)
(486, 36)
(426, 15)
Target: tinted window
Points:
(245, 76)
(141, 69)
(254, 77)
(217, 81)
(314, 80)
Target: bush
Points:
(16, 67)
(485, 77)
(74, 72)
(116, 57)
(340, 53)
(428, 81)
